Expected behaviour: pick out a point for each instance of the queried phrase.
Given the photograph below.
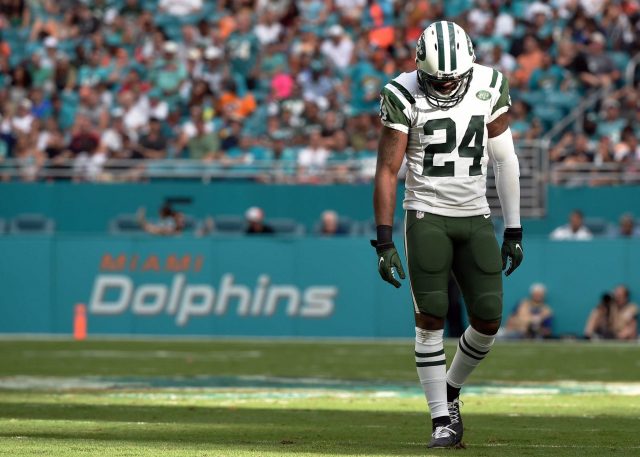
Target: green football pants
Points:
(436, 245)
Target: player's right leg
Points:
(429, 253)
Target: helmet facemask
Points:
(432, 87)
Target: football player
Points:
(448, 118)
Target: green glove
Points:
(512, 249)
(388, 259)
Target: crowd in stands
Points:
(615, 317)
(579, 229)
(284, 90)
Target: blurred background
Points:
(190, 167)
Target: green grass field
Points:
(265, 398)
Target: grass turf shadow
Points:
(323, 431)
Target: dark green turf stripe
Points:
(404, 92)
(430, 354)
(494, 79)
(452, 46)
(430, 364)
(472, 348)
(440, 35)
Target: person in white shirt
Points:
(180, 7)
(338, 49)
(574, 230)
(269, 29)
(23, 119)
(312, 160)
(136, 112)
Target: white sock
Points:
(432, 370)
(472, 348)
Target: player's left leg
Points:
(477, 266)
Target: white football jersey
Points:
(447, 149)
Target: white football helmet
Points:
(444, 57)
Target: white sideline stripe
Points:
(141, 354)
(303, 387)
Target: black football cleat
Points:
(444, 437)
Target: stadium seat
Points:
(286, 226)
(124, 224)
(598, 226)
(25, 224)
(190, 223)
(229, 225)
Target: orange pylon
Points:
(80, 322)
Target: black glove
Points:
(388, 257)
(512, 249)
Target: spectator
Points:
(615, 317)
(244, 47)
(594, 67)
(269, 29)
(180, 8)
(316, 84)
(627, 228)
(611, 122)
(338, 48)
(88, 159)
(23, 120)
(548, 77)
(171, 222)
(170, 72)
(330, 224)
(135, 113)
(312, 160)
(532, 318)
(283, 162)
(153, 144)
(574, 230)
(113, 139)
(234, 106)
(158, 107)
(531, 58)
(213, 71)
(255, 222)
(203, 145)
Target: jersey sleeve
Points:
(396, 107)
(502, 101)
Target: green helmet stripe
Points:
(452, 46)
(404, 92)
(440, 46)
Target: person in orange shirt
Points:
(530, 59)
(233, 105)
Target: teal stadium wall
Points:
(89, 207)
(318, 287)
(307, 286)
